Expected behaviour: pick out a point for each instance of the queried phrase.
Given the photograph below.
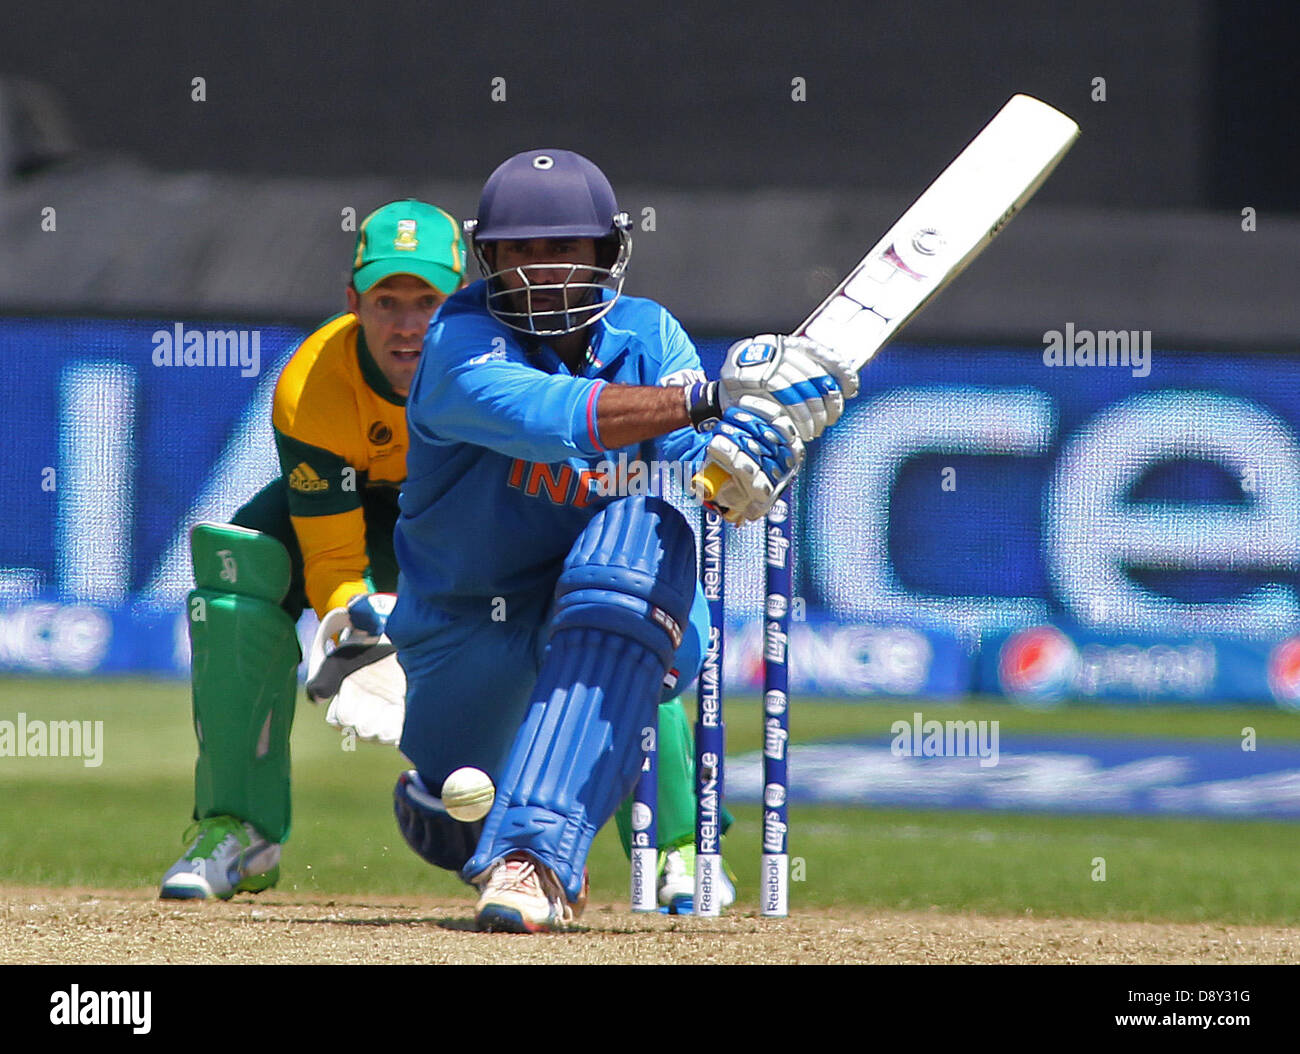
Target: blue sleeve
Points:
(680, 366)
(463, 394)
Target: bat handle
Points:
(708, 481)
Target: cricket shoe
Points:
(677, 881)
(227, 857)
(522, 896)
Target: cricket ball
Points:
(467, 794)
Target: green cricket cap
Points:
(409, 237)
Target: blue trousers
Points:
(469, 679)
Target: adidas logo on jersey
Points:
(304, 479)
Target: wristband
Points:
(702, 405)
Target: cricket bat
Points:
(949, 225)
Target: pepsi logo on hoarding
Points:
(1038, 664)
(1284, 673)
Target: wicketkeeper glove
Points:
(368, 617)
(353, 667)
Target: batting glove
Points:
(809, 380)
(753, 455)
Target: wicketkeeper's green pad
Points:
(244, 669)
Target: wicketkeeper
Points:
(320, 534)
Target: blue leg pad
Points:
(620, 611)
(429, 829)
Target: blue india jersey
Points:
(506, 463)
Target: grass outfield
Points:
(120, 825)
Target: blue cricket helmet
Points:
(551, 194)
(546, 194)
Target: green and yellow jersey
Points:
(340, 431)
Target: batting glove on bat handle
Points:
(750, 460)
(705, 411)
(809, 382)
(708, 481)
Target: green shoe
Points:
(227, 857)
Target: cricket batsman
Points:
(543, 616)
(321, 534)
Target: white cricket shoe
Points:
(523, 896)
(677, 881)
(227, 857)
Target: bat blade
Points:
(959, 214)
